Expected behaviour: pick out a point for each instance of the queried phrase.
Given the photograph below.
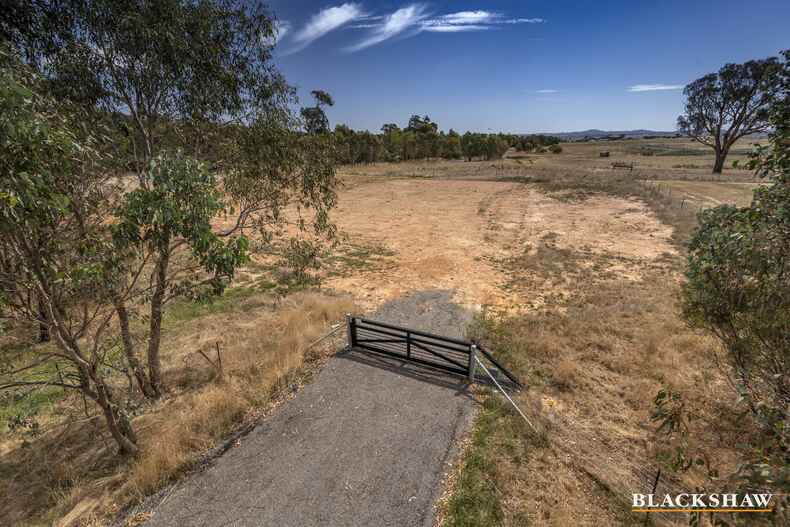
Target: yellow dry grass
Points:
(70, 476)
(594, 359)
(683, 157)
(593, 373)
(257, 353)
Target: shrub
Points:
(739, 288)
(555, 149)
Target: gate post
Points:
(472, 362)
(350, 330)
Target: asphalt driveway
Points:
(366, 443)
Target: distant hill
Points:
(602, 134)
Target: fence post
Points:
(472, 362)
(349, 330)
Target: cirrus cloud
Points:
(654, 87)
(325, 21)
(469, 17)
(414, 19)
(404, 20)
(479, 20)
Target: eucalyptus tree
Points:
(55, 197)
(184, 81)
(738, 288)
(451, 149)
(426, 134)
(726, 106)
(473, 145)
(315, 120)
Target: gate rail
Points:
(444, 353)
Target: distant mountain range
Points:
(597, 134)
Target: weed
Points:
(476, 501)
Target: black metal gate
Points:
(436, 351)
(444, 353)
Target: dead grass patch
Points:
(565, 374)
(593, 371)
(594, 358)
(71, 473)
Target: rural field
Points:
(314, 264)
(572, 269)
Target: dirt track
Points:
(450, 234)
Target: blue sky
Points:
(518, 66)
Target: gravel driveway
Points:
(365, 444)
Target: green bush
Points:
(738, 288)
(555, 149)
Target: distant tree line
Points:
(422, 139)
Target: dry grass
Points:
(70, 472)
(258, 356)
(565, 374)
(592, 373)
(680, 158)
(594, 350)
(709, 193)
(594, 360)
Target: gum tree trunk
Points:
(43, 324)
(718, 165)
(143, 382)
(155, 329)
(117, 422)
(93, 385)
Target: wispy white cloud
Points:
(452, 28)
(473, 21)
(404, 20)
(325, 21)
(281, 28)
(414, 19)
(654, 87)
(545, 91)
(524, 21)
(469, 17)
(460, 21)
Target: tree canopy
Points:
(726, 106)
(422, 139)
(184, 95)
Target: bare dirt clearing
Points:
(449, 234)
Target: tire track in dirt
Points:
(454, 235)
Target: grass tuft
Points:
(476, 501)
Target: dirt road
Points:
(365, 444)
